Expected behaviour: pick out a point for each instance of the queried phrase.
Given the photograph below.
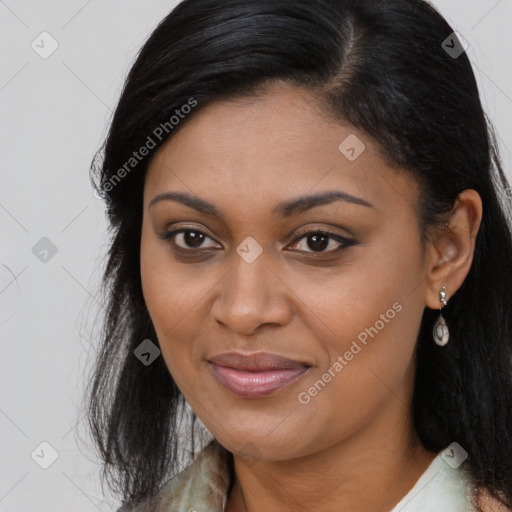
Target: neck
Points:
(370, 470)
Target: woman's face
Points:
(251, 274)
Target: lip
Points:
(256, 375)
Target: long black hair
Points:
(393, 69)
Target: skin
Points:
(352, 447)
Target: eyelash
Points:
(345, 243)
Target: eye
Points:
(188, 239)
(318, 241)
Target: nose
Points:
(252, 296)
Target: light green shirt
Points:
(443, 487)
(203, 487)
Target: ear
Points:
(450, 255)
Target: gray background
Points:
(54, 113)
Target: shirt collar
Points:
(201, 487)
(204, 486)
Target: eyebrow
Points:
(284, 209)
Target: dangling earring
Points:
(440, 331)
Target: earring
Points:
(440, 331)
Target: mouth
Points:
(256, 375)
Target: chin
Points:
(253, 445)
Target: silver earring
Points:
(440, 331)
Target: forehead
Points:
(278, 145)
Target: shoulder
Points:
(201, 486)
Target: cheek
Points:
(175, 296)
(363, 295)
(366, 319)
(166, 294)
(368, 332)
(170, 290)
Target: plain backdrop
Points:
(54, 114)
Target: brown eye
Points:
(319, 241)
(188, 239)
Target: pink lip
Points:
(255, 375)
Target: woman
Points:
(311, 249)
